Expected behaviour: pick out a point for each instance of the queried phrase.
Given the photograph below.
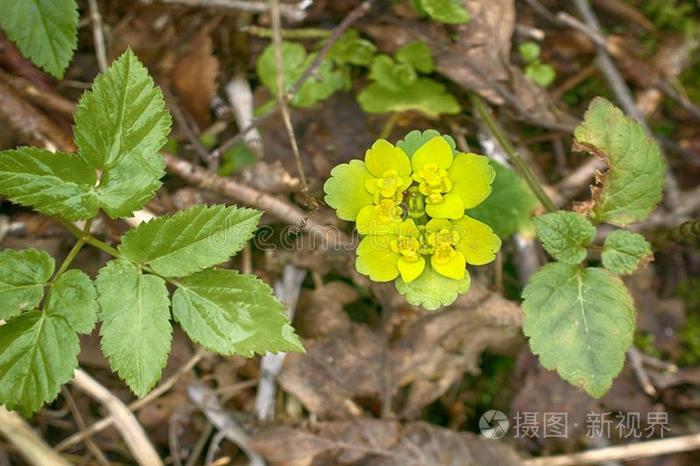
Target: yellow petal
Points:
(383, 156)
(455, 268)
(345, 189)
(452, 206)
(437, 151)
(478, 242)
(370, 223)
(437, 224)
(411, 270)
(471, 177)
(376, 259)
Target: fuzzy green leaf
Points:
(445, 11)
(424, 95)
(51, 183)
(327, 80)
(580, 322)
(624, 252)
(416, 54)
(136, 331)
(191, 240)
(415, 139)
(432, 290)
(123, 116)
(634, 182)
(38, 353)
(507, 210)
(565, 235)
(23, 275)
(46, 31)
(231, 313)
(74, 296)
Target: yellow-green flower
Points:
(450, 245)
(371, 192)
(450, 183)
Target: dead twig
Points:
(92, 447)
(291, 12)
(131, 431)
(28, 443)
(636, 359)
(98, 35)
(623, 452)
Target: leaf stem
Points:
(520, 165)
(388, 126)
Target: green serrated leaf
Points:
(326, 81)
(38, 353)
(122, 117)
(231, 313)
(445, 11)
(580, 322)
(507, 210)
(74, 297)
(565, 235)
(432, 290)
(352, 49)
(624, 252)
(51, 183)
(415, 139)
(130, 184)
(191, 240)
(23, 275)
(46, 31)
(424, 95)
(136, 331)
(416, 54)
(634, 182)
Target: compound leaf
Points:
(23, 275)
(74, 296)
(432, 290)
(624, 252)
(51, 183)
(46, 31)
(136, 331)
(232, 313)
(580, 322)
(191, 240)
(633, 183)
(565, 235)
(123, 116)
(38, 353)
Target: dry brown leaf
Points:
(194, 78)
(373, 442)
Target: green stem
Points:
(82, 234)
(520, 165)
(388, 126)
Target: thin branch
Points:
(92, 447)
(28, 443)
(125, 422)
(623, 452)
(291, 12)
(98, 35)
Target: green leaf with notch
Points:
(46, 31)
(231, 313)
(38, 353)
(352, 49)
(51, 183)
(507, 210)
(391, 75)
(416, 138)
(23, 276)
(624, 252)
(136, 331)
(633, 184)
(123, 116)
(565, 235)
(191, 240)
(424, 95)
(417, 55)
(73, 295)
(432, 290)
(579, 322)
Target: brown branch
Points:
(29, 444)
